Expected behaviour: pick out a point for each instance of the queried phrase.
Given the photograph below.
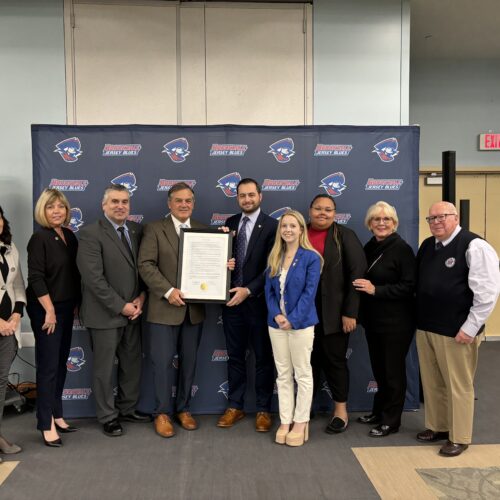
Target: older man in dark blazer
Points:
(112, 300)
(174, 327)
(245, 315)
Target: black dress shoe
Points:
(452, 449)
(382, 431)
(336, 426)
(370, 419)
(57, 443)
(66, 430)
(136, 418)
(429, 436)
(112, 428)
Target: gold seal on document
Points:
(204, 286)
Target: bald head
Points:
(442, 229)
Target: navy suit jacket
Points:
(300, 289)
(258, 248)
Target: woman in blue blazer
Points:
(292, 279)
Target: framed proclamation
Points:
(202, 275)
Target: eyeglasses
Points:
(328, 210)
(437, 218)
(381, 219)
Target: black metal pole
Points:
(449, 176)
(465, 214)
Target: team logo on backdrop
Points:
(348, 353)
(166, 184)
(194, 390)
(342, 218)
(128, 180)
(69, 185)
(219, 320)
(332, 149)
(220, 355)
(177, 150)
(219, 219)
(229, 184)
(277, 214)
(449, 262)
(175, 362)
(228, 149)
(136, 218)
(383, 184)
(224, 389)
(121, 149)
(372, 386)
(76, 359)
(326, 388)
(75, 219)
(82, 393)
(69, 149)
(280, 184)
(282, 150)
(387, 149)
(334, 184)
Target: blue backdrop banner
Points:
(356, 165)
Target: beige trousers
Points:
(447, 370)
(292, 356)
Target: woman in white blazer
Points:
(12, 301)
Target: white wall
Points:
(454, 101)
(361, 62)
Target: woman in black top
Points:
(12, 301)
(53, 296)
(387, 313)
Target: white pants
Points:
(292, 356)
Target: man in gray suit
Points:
(112, 300)
(173, 326)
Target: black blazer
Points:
(258, 249)
(338, 295)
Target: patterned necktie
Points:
(241, 248)
(438, 245)
(121, 230)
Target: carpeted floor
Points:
(239, 463)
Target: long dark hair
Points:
(6, 236)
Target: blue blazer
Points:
(300, 291)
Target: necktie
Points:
(121, 230)
(438, 245)
(241, 248)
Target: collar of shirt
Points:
(450, 239)
(116, 226)
(177, 224)
(252, 220)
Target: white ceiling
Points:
(455, 29)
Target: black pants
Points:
(51, 355)
(329, 355)
(246, 325)
(388, 359)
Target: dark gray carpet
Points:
(213, 463)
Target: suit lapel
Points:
(170, 233)
(330, 247)
(110, 232)
(294, 264)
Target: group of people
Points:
(297, 292)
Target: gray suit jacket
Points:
(110, 277)
(158, 258)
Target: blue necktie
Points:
(241, 248)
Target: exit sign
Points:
(489, 142)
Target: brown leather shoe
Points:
(187, 421)
(429, 436)
(230, 417)
(163, 426)
(263, 421)
(450, 449)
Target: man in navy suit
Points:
(244, 316)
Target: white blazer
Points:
(15, 283)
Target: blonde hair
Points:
(276, 256)
(381, 206)
(47, 197)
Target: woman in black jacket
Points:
(387, 313)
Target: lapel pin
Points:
(56, 238)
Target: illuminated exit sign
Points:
(489, 142)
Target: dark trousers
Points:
(246, 325)
(123, 343)
(329, 355)
(165, 342)
(51, 356)
(388, 359)
(8, 349)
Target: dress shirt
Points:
(177, 225)
(484, 281)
